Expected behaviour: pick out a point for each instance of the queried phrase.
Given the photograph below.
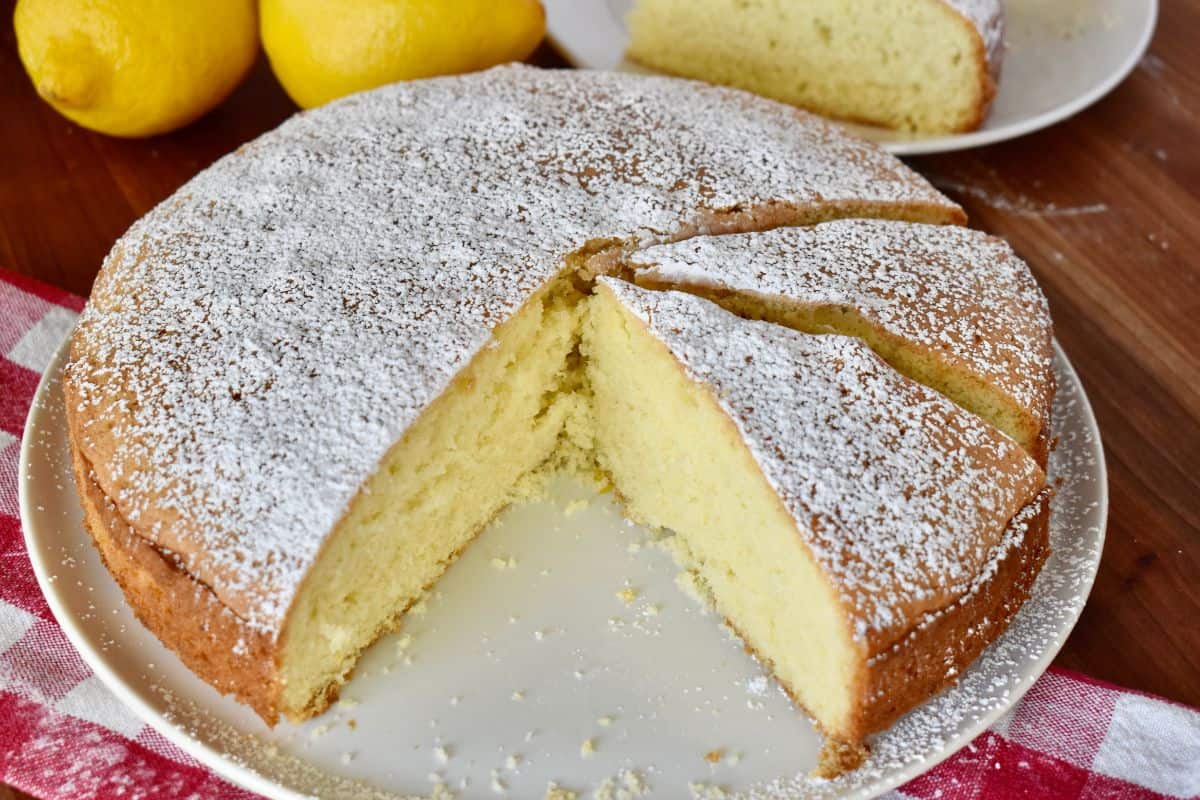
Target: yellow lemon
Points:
(322, 49)
(135, 67)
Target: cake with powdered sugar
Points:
(307, 380)
(925, 66)
(950, 307)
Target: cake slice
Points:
(866, 536)
(929, 66)
(952, 308)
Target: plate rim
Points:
(229, 770)
(952, 143)
(246, 777)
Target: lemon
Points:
(135, 67)
(322, 49)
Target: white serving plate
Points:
(675, 684)
(1063, 55)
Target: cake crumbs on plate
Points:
(518, 696)
(715, 756)
(605, 721)
(513, 761)
(505, 562)
(627, 785)
(702, 790)
(575, 506)
(588, 748)
(497, 783)
(441, 753)
(556, 792)
(692, 585)
(628, 595)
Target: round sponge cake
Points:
(308, 379)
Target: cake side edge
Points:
(182, 613)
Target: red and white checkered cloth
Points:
(64, 736)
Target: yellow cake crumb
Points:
(497, 783)
(702, 790)
(556, 792)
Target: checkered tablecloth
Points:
(64, 736)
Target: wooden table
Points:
(1105, 207)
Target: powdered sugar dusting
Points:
(255, 344)
(1010, 665)
(901, 495)
(962, 293)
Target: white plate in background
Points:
(1063, 55)
(528, 661)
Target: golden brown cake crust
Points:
(989, 72)
(182, 612)
(943, 646)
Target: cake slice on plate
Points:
(866, 536)
(929, 66)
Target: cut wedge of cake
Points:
(835, 509)
(952, 308)
(920, 65)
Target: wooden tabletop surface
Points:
(1104, 207)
